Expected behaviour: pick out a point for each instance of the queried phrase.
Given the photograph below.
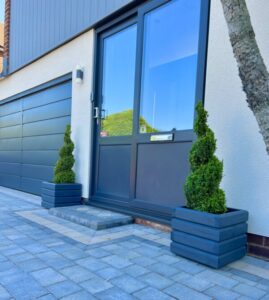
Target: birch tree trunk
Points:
(252, 70)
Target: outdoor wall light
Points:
(79, 74)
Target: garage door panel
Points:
(11, 144)
(10, 168)
(11, 108)
(47, 142)
(50, 111)
(50, 95)
(30, 185)
(37, 172)
(11, 132)
(48, 158)
(11, 120)
(10, 156)
(31, 133)
(10, 181)
(52, 126)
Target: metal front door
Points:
(150, 75)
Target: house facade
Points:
(145, 64)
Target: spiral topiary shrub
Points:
(63, 172)
(202, 186)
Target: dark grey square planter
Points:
(57, 195)
(210, 239)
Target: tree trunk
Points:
(252, 70)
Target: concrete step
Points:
(92, 217)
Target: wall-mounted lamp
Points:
(79, 74)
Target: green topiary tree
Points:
(63, 172)
(202, 185)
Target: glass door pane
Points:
(171, 34)
(118, 83)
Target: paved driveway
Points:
(43, 257)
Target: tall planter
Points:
(57, 195)
(63, 191)
(211, 239)
(206, 230)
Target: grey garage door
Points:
(31, 133)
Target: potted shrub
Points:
(205, 230)
(63, 191)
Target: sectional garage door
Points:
(31, 132)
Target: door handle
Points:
(96, 112)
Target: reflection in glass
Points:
(118, 83)
(169, 66)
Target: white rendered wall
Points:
(59, 62)
(240, 145)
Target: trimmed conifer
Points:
(202, 186)
(63, 172)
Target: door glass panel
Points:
(118, 83)
(168, 84)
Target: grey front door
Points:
(151, 75)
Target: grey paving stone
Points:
(6, 265)
(150, 293)
(82, 295)
(92, 264)
(47, 276)
(21, 257)
(4, 294)
(128, 283)
(47, 297)
(189, 266)
(245, 275)
(117, 261)
(98, 253)
(96, 285)
(220, 293)
(135, 270)
(3, 258)
(114, 294)
(35, 248)
(77, 273)
(74, 253)
(11, 275)
(196, 283)
(33, 264)
(55, 260)
(148, 251)
(249, 291)
(130, 244)
(14, 250)
(168, 259)
(156, 280)
(163, 269)
(64, 288)
(182, 292)
(109, 273)
(143, 261)
(26, 288)
(217, 278)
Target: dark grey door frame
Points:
(131, 17)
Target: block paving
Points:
(45, 257)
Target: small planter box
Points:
(56, 195)
(210, 239)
